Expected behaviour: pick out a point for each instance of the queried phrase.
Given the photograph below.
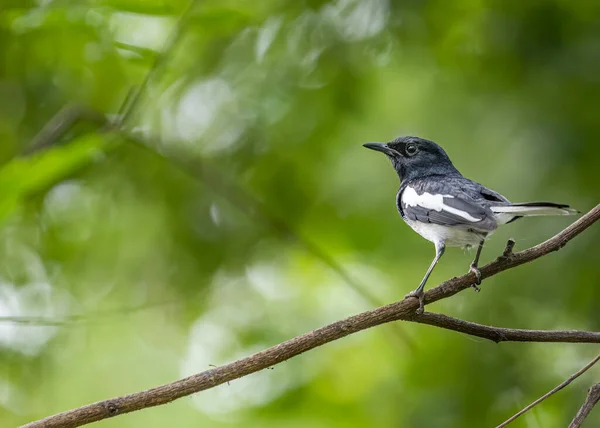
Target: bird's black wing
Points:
(454, 201)
(490, 195)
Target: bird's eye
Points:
(411, 149)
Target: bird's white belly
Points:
(451, 236)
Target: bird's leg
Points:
(473, 268)
(418, 293)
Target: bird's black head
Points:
(415, 157)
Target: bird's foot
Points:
(419, 294)
(477, 273)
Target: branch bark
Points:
(555, 390)
(402, 310)
(499, 334)
(590, 401)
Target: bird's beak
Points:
(381, 147)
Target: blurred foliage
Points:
(156, 260)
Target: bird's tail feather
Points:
(534, 208)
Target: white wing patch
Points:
(532, 210)
(411, 198)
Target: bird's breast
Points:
(450, 236)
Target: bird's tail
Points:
(533, 209)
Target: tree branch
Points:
(499, 334)
(403, 310)
(555, 390)
(590, 401)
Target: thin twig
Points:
(499, 334)
(591, 400)
(403, 310)
(555, 390)
(508, 250)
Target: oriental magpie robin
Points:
(444, 207)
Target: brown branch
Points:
(403, 310)
(499, 334)
(590, 401)
(552, 392)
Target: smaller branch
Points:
(555, 390)
(498, 334)
(508, 250)
(590, 401)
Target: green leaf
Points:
(25, 176)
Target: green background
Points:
(225, 230)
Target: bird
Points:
(446, 208)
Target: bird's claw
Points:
(477, 273)
(419, 294)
